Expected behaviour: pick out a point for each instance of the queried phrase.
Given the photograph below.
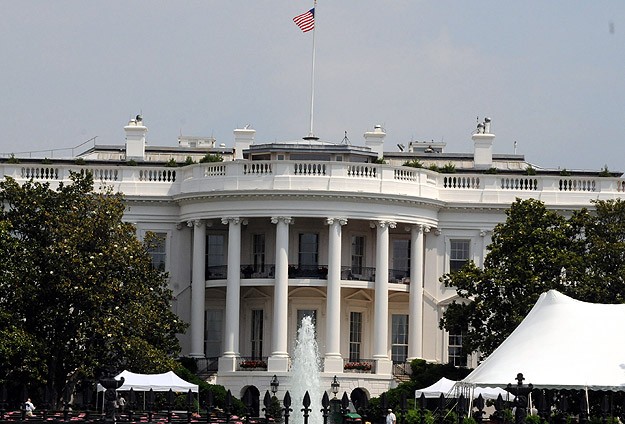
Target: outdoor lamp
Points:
(335, 386)
(274, 384)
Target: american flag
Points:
(306, 21)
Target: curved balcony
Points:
(329, 177)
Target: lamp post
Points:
(335, 386)
(274, 385)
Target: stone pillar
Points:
(279, 359)
(415, 303)
(233, 295)
(380, 307)
(333, 360)
(198, 288)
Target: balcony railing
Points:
(311, 176)
(258, 271)
(362, 273)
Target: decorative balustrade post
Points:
(461, 408)
(287, 407)
(47, 401)
(583, 407)
(190, 406)
(208, 405)
(403, 408)
(170, 404)
(23, 403)
(499, 412)
(563, 408)
(325, 410)
(3, 401)
(440, 417)
(228, 406)
(605, 409)
(478, 415)
(247, 401)
(66, 397)
(422, 404)
(345, 404)
(132, 404)
(306, 409)
(267, 404)
(521, 392)
(150, 404)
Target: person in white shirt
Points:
(29, 407)
(390, 417)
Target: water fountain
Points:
(305, 373)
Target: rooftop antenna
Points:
(515, 147)
(346, 140)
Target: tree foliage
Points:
(78, 292)
(533, 251)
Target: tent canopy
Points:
(156, 382)
(451, 388)
(562, 343)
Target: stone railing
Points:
(362, 178)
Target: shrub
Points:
(211, 158)
(380, 161)
(605, 172)
(13, 159)
(449, 168)
(189, 161)
(415, 163)
(80, 161)
(564, 173)
(530, 170)
(172, 163)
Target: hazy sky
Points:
(550, 73)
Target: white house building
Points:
(277, 231)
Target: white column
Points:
(333, 360)
(415, 303)
(233, 287)
(279, 359)
(380, 308)
(198, 289)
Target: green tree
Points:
(529, 254)
(79, 292)
(533, 251)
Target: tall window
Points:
(456, 355)
(257, 333)
(355, 335)
(157, 250)
(213, 332)
(258, 252)
(358, 254)
(308, 250)
(401, 260)
(399, 336)
(215, 255)
(459, 251)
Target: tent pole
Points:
(587, 402)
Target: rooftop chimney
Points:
(483, 145)
(135, 139)
(375, 140)
(243, 139)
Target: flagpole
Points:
(311, 134)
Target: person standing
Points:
(390, 417)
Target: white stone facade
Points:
(252, 244)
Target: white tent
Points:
(156, 382)
(451, 388)
(443, 386)
(561, 343)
